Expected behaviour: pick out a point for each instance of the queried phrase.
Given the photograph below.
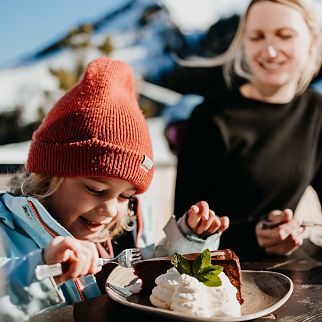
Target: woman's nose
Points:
(271, 51)
(108, 208)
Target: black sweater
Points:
(246, 157)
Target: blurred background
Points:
(45, 47)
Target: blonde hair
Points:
(34, 185)
(42, 187)
(234, 60)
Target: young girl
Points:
(88, 160)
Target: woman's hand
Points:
(284, 237)
(77, 256)
(203, 221)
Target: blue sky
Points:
(29, 25)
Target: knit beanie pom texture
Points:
(97, 129)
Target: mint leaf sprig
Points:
(202, 269)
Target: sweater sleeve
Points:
(21, 294)
(178, 242)
(199, 155)
(317, 184)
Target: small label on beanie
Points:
(147, 163)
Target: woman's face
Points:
(277, 44)
(88, 206)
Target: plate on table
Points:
(263, 293)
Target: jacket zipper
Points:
(53, 234)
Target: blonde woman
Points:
(250, 151)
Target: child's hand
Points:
(80, 257)
(203, 221)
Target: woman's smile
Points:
(271, 66)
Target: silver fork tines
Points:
(127, 258)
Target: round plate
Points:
(263, 292)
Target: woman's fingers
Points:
(280, 232)
(280, 216)
(287, 247)
(284, 238)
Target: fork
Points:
(127, 258)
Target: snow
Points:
(25, 86)
(192, 15)
(15, 153)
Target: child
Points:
(89, 158)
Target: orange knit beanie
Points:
(96, 130)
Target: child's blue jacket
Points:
(26, 228)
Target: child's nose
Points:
(108, 208)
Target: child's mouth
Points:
(91, 225)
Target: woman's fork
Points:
(127, 258)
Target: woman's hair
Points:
(234, 59)
(43, 187)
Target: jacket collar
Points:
(5, 212)
(18, 209)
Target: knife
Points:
(271, 225)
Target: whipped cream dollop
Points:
(185, 294)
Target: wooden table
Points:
(305, 304)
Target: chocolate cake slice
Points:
(148, 270)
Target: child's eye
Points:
(126, 197)
(95, 192)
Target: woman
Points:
(251, 151)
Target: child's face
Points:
(87, 206)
